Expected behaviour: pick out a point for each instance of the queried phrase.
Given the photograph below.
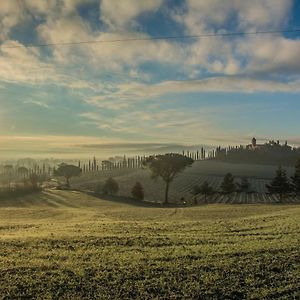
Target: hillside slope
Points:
(211, 171)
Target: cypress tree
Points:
(280, 183)
(195, 191)
(205, 189)
(296, 178)
(228, 185)
(94, 164)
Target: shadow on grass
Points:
(13, 197)
(131, 201)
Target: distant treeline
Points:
(132, 162)
(271, 153)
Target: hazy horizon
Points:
(85, 151)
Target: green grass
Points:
(68, 245)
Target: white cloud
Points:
(168, 125)
(15, 12)
(272, 54)
(26, 66)
(23, 64)
(38, 8)
(262, 13)
(125, 95)
(237, 55)
(213, 55)
(65, 30)
(112, 56)
(208, 15)
(157, 126)
(121, 14)
(37, 102)
(11, 13)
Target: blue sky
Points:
(69, 100)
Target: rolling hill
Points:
(201, 171)
(69, 245)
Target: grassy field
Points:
(68, 245)
(211, 171)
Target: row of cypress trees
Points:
(283, 185)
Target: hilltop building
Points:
(254, 145)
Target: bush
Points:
(110, 187)
(137, 191)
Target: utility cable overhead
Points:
(174, 37)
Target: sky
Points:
(107, 98)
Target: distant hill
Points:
(271, 153)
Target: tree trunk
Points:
(167, 193)
(68, 181)
(195, 200)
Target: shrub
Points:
(137, 191)
(244, 185)
(110, 187)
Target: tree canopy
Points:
(167, 166)
(67, 171)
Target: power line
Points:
(174, 37)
